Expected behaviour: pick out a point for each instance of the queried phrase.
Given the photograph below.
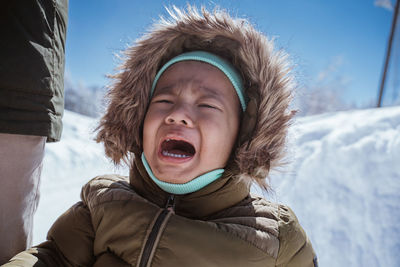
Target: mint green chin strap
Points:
(186, 188)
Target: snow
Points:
(67, 166)
(342, 181)
(344, 185)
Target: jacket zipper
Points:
(148, 248)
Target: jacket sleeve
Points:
(70, 242)
(295, 249)
(33, 35)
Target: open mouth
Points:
(178, 149)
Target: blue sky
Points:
(342, 42)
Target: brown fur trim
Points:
(265, 72)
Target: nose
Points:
(180, 115)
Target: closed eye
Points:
(163, 101)
(208, 106)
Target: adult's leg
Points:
(21, 159)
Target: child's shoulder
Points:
(284, 216)
(106, 188)
(107, 180)
(294, 245)
(271, 227)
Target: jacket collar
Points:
(219, 195)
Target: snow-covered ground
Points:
(343, 182)
(344, 185)
(67, 166)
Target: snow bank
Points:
(343, 182)
(344, 185)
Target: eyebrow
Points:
(163, 90)
(209, 92)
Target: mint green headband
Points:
(216, 61)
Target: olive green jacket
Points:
(116, 224)
(32, 47)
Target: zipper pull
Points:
(171, 203)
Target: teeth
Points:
(166, 153)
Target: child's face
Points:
(192, 122)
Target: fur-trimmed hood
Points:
(265, 72)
